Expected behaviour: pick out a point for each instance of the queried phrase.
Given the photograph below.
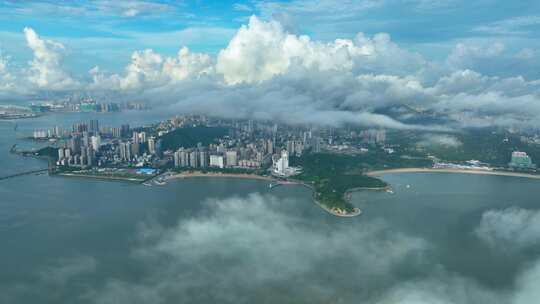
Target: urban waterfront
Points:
(209, 240)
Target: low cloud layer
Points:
(510, 229)
(437, 140)
(263, 249)
(266, 70)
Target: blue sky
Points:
(105, 33)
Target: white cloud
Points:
(267, 72)
(510, 26)
(255, 245)
(262, 50)
(440, 140)
(465, 56)
(45, 69)
(6, 79)
(509, 229)
(149, 69)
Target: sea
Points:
(438, 238)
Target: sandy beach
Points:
(448, 170)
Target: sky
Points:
(476, 62)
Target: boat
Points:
(160, 182)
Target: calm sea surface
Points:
(211, 240)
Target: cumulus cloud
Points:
(45, 68)
(262, 50)
(149, 69)
(512, 228)
(267, 72)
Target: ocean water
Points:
(451, 238)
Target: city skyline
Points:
(269, 60)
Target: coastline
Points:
(346, 196)
(196, 174)
(377, 173)
(103, 178)
(217, 174)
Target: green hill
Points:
(189, 137)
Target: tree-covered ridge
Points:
(332, 175)
(189, 137)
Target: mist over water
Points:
(444, 238)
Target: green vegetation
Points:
(191, 136)
(332, 175)
(486, 145)
(48, 152)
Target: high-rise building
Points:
(232, 158)
(125, 151)
(94, 126)
(270, 146)
(75, 144)
(281, 167)
(61, 153)
(135, 138)
(217, 161)
(124, 130)
(89, 156)
(203, 159)
(176, 157)
(116, 132)
(152, 145)
(96, 142)
(142, 137)
(85, 139)
(135, 149)
(184, 158)
(193, 159)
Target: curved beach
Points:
(195, 174)
(449, 170)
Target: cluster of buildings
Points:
(247, 144)
(221, 156)
(85, 104)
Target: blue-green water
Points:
(451, 238)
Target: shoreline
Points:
(103, 178)
(377, 173)
(214, 174)
(357, 211)
(270, 179)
